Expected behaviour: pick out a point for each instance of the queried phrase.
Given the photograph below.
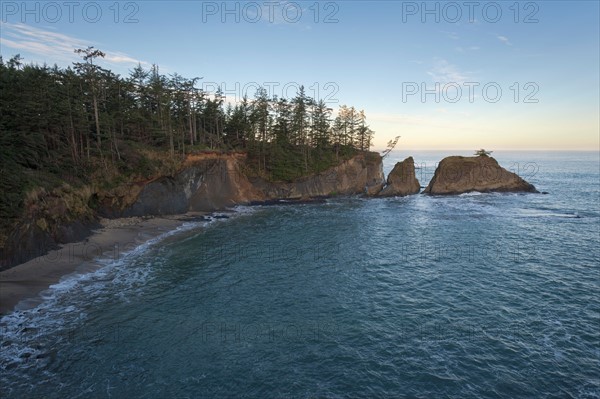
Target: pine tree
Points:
(92, 73)
(320, 125)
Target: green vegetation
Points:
(85, 128)
(483, 153)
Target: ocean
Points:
(470, 296)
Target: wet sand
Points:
(20, 286)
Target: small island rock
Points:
(457, 175)
(402, 180)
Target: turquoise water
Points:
(480, 295)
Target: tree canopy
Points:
(85, 122)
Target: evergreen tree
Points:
(92, 74)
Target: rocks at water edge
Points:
(361, 173)
(457, 175)
(402, 180)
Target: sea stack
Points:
(457, 175)
(402, 180)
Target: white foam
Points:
(67, 283)
(102, 268)
(539, 213)
(30, 331)
(36, 324)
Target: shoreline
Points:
(21, 285)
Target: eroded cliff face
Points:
(213, 182)
(209, 182)
(375, 176)
(206, 182)
(457, 175)
(51, 218)
(361, 174)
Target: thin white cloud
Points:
(46, 45)
(444, 72)
(52, 47)
(504, 40)
(20, 30)
(119, 58)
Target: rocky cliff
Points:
(457, 175)
(361, 174)
(220, 181)
(209, 182)
(206, 182)
(402, 180)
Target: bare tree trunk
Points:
(115, 143)
(73, 139)
(97, 119)
(190, 123)
(195, 126)
(171, 143)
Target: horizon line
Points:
(499, 150)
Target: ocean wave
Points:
(101, 271)
(29, 333)
(541, 213)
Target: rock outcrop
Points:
(214, 181)
(402, 180)
(209, 183)
(375, 177)
(205, 184)
(360, 174)
(33, 239)
(457, 175)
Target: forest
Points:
(84, 124)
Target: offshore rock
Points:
(457, 175)
(402, 180)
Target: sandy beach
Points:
(20, 286)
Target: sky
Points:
(502, 75)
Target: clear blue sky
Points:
(376, 55)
